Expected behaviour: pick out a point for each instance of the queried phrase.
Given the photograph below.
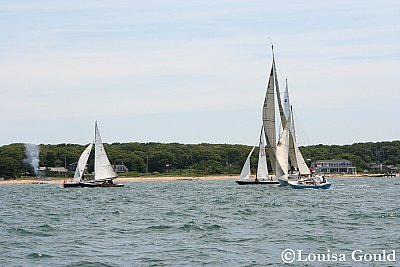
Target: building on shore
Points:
(385, 168)
(53, 171)
(120, 168)
(334, 166)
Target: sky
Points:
(191, 71)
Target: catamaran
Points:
(261, 176)
(103, 171)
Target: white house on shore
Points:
(334, 166)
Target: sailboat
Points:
(103, 171)
(285, 152)
(303, 178)
(261, 176)
(278, 152)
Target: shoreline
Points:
(59, 180)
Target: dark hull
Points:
(240, 182)
(70, 184)
(89, 184)
(110, 185)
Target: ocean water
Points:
(198, 223)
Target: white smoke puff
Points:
(32, 157)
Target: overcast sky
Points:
(196, 71)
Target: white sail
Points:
(262, 169)
(292, 136)
(245, 174)
(102, 167)
(286, 101)
(296, 158)
(81, 165)
(301, 163)
(282, 153)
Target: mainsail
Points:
(81, 165)
(269, 123)
(269, 119)
(102, 167)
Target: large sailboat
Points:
(261, 176)
(285, 154)
(103, 171)
(274, 115)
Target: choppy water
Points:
(192, 223)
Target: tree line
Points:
(188, 159)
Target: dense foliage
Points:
(188, 159)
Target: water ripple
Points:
(193, 223)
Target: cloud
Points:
(74, 59)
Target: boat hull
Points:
(283, 182)
(242, 182)
(90, 184)
(320, 186)
(70, 184)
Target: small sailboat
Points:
(80, 169)
(314, 182)
(261, 176)
(103, 171)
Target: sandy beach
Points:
(124, 179)
(59, 180)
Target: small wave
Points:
(38, 256)
(213, 227)
(46, 227)
(159, 227)
(221, 201)
(236, 240)
(191, 227)
(21, 231)
(390, 215)
(42, 230)
(246, 212)
(116, 212)
(274, 204)
(89, 264)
